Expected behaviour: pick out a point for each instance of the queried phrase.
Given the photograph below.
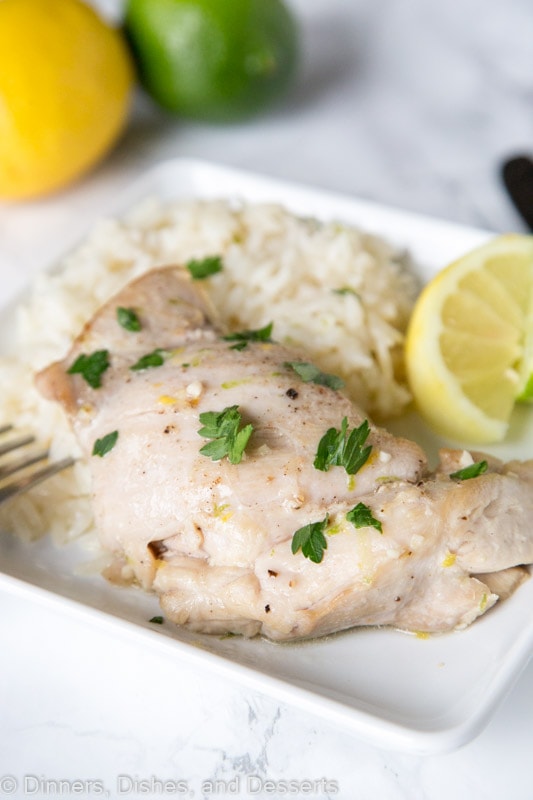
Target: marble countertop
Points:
(413, 105)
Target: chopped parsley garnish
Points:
(223, 428)
(470, 472)
(345, 290)
(157, 620)
(204, 267)
(311, 540)
(243, 337)
(102, 446)
(338, 448)
(361, 516)
(128, 319)
(311, 374)
(91, 367)
(154, 359)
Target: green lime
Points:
(216, 60)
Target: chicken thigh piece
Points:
(212, 529)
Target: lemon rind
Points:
(450, 412)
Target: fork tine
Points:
(16, 465)
(12, 467)
(29, 481)
(14, 444)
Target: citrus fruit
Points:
(215, 60)
(469, 338)
(65, 80)
(525, 391)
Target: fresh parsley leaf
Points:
(343, 290)
(216, 449)
(91, 367)
(243, 337)
(311, 540)
(338, 448)
(157, 620)
(311, 374)
(470, 472)
(212, 421)
(154, 359)
(223, 428)
(102, 446)
(361, 516)
(355, 455)
(204, 267)
(128, 319)
(330, 449)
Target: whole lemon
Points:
(215, 60)
(65, 81)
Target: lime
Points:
(215, 60)
(469, 341)
(65, 84)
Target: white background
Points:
(412, 104)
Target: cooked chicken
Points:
(392, 544)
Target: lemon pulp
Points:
(468, 341)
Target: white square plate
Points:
(395, 690)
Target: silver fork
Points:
(22, 471)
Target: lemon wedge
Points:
(525, 394)
(469, 346)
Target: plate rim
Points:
(371, 727)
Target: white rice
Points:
(277, 267)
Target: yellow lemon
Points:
(65, 81)
(470, 341)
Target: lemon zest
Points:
(449, 560)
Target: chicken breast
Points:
(212, 529)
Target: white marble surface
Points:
(412, 104)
